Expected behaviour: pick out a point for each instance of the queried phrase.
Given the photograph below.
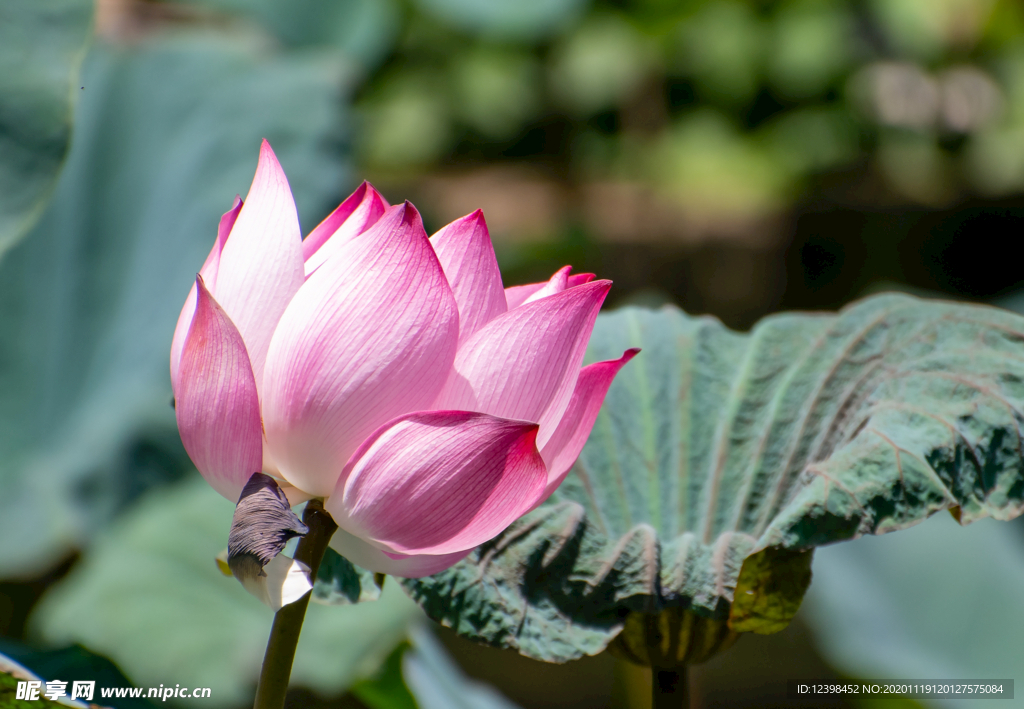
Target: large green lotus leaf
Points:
(339, 582)
(933, 602)
(41, 48)
(166, 134)
(716, 448)
(148, 595)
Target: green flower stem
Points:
(284, 635)
(669, 688)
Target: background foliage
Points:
(736, 157)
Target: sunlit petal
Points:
(209, 274)
(371, 335)
(523, 364)
(467, 257)
(439, 482)
(261, 265)
(355, 215)
(407, 566)
(217, 407)
(566, 441)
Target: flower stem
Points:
(669, 688)
(284, 634)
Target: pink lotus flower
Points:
(387, 372)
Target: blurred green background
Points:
(736, 157)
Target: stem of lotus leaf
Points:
(284, 635)
(669, 688)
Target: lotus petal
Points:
(579, 279)
(355, 215)
(371, 335)
(556, 284)
(517, 295)
(261, 265)
(467, 257)
(439, 482)
(567, 440)
(217, 406)
(523, 364)
(282, 581)
(411, 566)
(209, 274)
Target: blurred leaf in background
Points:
(74, 661)
(521, 19)
(437, 681)
(723, 46)
(934, 602)
(711, 170)
(149, 596)
(406, 121)
(496, 89)
(812, 43)
(167, 132)
(683, 124)
(600, 64)
(41, 48)
(926, 29)
(361, 30)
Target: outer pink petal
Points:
(217, 407)
(567, 440)
(517, 295)
(180, 332)
(467, 257)
(209, 274)
(355, 215)
(439, 482)
(556, 284)
(371, 335)
(261, 264)
(523, 365)
(412, 566)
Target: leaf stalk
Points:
(670, 688)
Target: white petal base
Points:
(370, 557)
(284, 581)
